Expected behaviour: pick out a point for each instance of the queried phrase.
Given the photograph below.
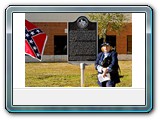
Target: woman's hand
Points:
(105, 71)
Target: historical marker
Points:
(82, 40)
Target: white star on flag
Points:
(38, 31)
(32, 33)
(37, 54)
(27, 35)
(35, 47)
(31, 41)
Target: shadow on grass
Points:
(121, 76)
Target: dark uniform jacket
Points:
(110, 61)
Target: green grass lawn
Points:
(68, 75)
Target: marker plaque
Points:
(82, 40)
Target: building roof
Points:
(59, 17)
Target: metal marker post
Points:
(82, 67)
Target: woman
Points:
(107, 66)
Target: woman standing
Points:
(107, 66)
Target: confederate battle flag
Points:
(35, 40)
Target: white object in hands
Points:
(99, 68)
(102, 79)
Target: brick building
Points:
(55, 26)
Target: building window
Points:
(129, 44)
(60, 45)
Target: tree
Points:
(108, 22)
